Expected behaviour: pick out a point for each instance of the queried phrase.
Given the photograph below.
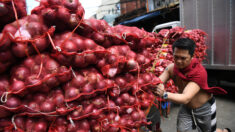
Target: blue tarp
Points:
(141, 18)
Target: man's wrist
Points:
(165, 95)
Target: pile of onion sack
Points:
(62, 73)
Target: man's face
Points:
(182, 58)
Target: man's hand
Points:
(159, 90)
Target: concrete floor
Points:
(225, 114)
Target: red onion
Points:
(30, 124)
(129, 110)
(70, 46)
(131, 55)
(88, 109)
(13, 102)
(107, 43)
(142, 114)
(140, 59)
(21, 73)
(76, 113)
(40, 126)
(132, 64)
(98, 37)
(5, 42)
(9, 28)
(73, 21)
(59, 99)
(71, 92)
(17, 85)
(79, 61)
(135, 116)
(111, 104)
(63, 14)
(123, 121)
(96, 127)
(145, 104)
(41, 44)
(71, 4)
(20, 122)
(119, 101)
(34, 28)
(89, 44)
(61, 128)
(54, 2)
(79, 81)
(125, 97)
(111, 116)
(124, 50)
(129, 77)
(114, 129)
(114, 92)
(86, 103)
(121, 82)
(81, 130)
(72, 128)
(91, 58)
(140, 81)
(131, 100)
(33, 105)
(88, 88)
(101, 84)
(101, 63)
(134, 130)
(6, 56)
(80, 44)
(29, 62)
(51, 81)
(92, 77)
(47, 106)
(85, 125)
(99, 102)
(129, 122)
(65, 77)
(19, 49)
(39, 97)
(61, 121)
(48, 14)
(112, 59)
(52, 66)
(96, 113)
(34, 80)
(147, 78)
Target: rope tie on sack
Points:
(13, 122)
(71, 121)
(4, 97)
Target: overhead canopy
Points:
(141, 18)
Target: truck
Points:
(217, 19)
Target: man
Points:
(198, 110)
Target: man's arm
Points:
(185, 97)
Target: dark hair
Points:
(185, 43)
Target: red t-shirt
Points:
(195, 72)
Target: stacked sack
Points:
(62, 73)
